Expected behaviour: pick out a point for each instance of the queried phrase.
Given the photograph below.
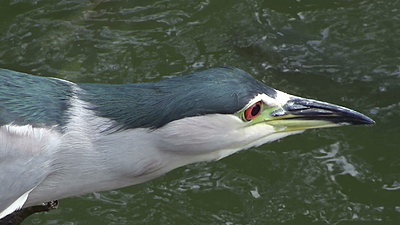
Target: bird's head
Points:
(220, 111)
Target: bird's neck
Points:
(90, 157)
(97, 152)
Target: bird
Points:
(60, 139)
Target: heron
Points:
(60, 139)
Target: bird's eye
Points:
(253, 111)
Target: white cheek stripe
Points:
(280, 100)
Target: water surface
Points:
(344, 52)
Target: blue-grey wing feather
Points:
(27, 99)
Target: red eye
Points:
(253, 111)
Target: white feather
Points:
(16, 205)
(280, 99)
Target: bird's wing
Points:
(31, 108)
(24, 163)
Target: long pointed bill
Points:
(301, 114)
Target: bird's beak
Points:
(301, 114)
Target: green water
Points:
(345, 52)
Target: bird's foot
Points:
(18, 216)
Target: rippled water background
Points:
(346, 52)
